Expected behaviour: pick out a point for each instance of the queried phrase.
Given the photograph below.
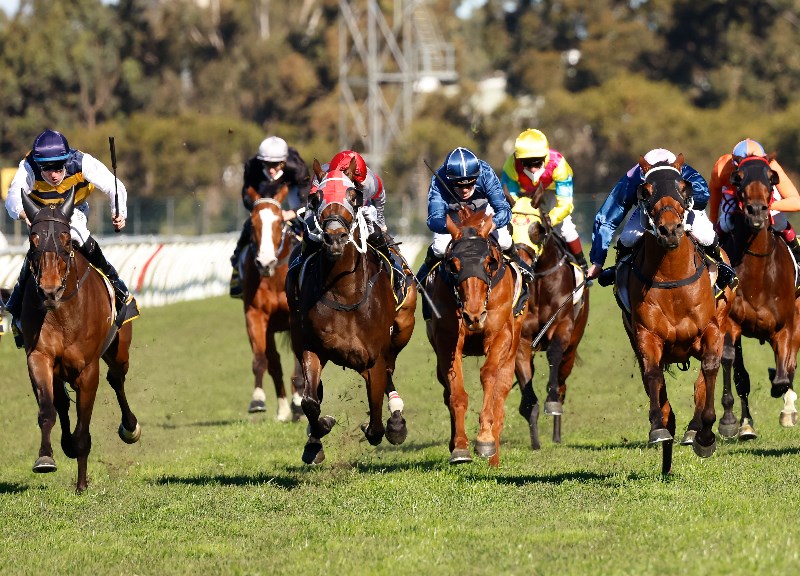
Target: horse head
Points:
(336, 207)
(665, 199)
(753, 181)
(51, 251)
(267, 228)
(530, 228)
(471, 263)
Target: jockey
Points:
(464, 180)
(623, 197)
(274, 162)
(47, 173)
(371, 186)
(534, 163)
(723, 199)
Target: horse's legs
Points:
(375, 379)
(257, 332)
(275, 370)
(40, 370)
(741, 380)
(555, 355)
(396, 430)
(503, 384)
(297, 392)
(117, 359)
(86, 386)
(61, 400)
(728, 425)
(668, 423)
(456, 400)
(528, 403)
(705, 442)
(567, 363)
(785, 362)
(311, 403)
(651, 349)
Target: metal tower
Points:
(381, 62)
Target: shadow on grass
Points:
(623, 445)
(12, 488)
(285, 482)
(766, 452)
(209, 423)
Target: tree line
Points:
(190, 88)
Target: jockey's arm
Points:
(96, 172)
(437, 209)
(21, 183)
(611, 214)
(790, 198)
(699, 186)
(490, 183)
(564, 204)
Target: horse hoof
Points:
(373, 439)
(129, 436)
(396, 430)
(257, 406)
(778, 390)
(485, 449)
(660, 435)
(704, 451)
(788, 419)
(688, 438)
(460, 456)
(553, 408)
(44, 464)
(297, 412)
(728, 431)
(746, 431)
(313, 453)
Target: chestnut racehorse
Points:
(344, 311)
(266, 310)
(474, 291)
(765, 307)
(554, 282)
(673, 312)
(67, 324)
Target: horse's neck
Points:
(669, 264)
(347, 273)
(550, 255)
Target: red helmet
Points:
(342, 161)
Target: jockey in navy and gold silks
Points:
(47, 174)
(535, 164)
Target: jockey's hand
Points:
(118, 222)
(23, 216)
(288, 215)
(594, 271)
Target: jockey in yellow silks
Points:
(535, 164)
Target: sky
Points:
(9, 6)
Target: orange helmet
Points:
(342, 161)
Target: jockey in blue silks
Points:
(623, 197)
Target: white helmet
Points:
(657, 155)
(273, 149)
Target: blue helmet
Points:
(462, 166)
(50, 146)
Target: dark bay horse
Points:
(554, 282)
(67, 324)
(765, 307)
(344, 311)
(266, 310)
(673, 312)
(474, 291)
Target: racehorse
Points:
(344, 311)
(765, 306)
(474, 292)
(266, 310)
(554, 283)
(68, 325)
(673, 315)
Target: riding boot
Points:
(431, 260)
(794, 246)
(609, 275)
(235, 289)
(581, 261)
(126, 304)
(511, 254)
(726, 275)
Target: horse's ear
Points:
(354, 197)
(318, 172)
(29, 206)
(538, 195)
(644, 165)
(771, 156)
(350, 171)
(252, 194)
(454, 230)
(643, 192)
(69, 204)
(485, 226)
(678, 164)
(773, 177)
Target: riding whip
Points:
(443, 183)
(114, 168)
(547, 325)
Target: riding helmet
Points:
(342, 161)
(50, 146)
(462, 166)
(531, 144)
(748, 147)
(273, 149)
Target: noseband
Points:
(472, 251)
(665, 181)
(47, 237)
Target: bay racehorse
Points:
(344, 311)
(474, 290)
(673, 315)
(765, 307)
(555, 281)
(67, 325)
(265, 263)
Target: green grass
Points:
(211, 489)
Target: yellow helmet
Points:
(531, 144)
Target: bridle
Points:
(48, 236)
(659, 177)
(473, 251)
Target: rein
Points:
(37, 254)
